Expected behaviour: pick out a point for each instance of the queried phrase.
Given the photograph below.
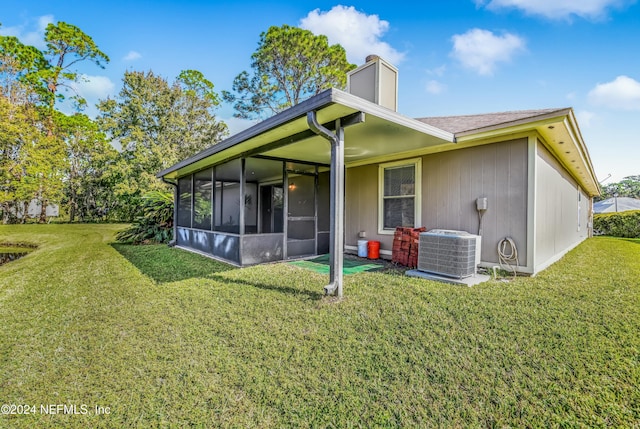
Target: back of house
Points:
(267, 193)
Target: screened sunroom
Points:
(255, 209)
(276, 190)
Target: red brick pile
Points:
(405, 246)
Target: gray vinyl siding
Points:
(557, 211)
(363, 83)
(451, 182)
(361, 206)
(388, 87)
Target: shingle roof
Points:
(460, 124)
(622, 204)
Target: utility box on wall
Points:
(375, 81)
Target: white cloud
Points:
(435, 87)
(27, 35)
(94, 87)
(438, 71)
(585, 118)
(558, 9)
(622, 93)
(481, 50)
(358, 33)
(43, 22)
(236, 125)
(131, 56)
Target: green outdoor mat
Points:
(321, 265)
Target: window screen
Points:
(202, 200)
(184, 201)
(399, 196)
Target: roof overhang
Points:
(378, 132)
(561, 135)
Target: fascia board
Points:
(374, 109)
(572, 125)
(513, 127)
(295, 112)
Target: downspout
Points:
(336, 236)
(175, 211)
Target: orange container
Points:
(373, 248)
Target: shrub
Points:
(622, 224)
(155, 225)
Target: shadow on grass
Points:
(632, 240)
(277, 288)
(165, 264)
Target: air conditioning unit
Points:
(449, 253)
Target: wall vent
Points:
(449, 253)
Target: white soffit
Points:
(383, 132)
(564, 140)
(374, 138)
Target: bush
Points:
(155, 225)
(623, 224)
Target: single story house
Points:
(33, 210)
(616, 204)
(341, 165)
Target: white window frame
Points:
(579, 208)
(417, 164)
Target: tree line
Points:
(628, 187)
(101, 168)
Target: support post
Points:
(242, 191)
(337, 210)
(241, 219)
(336, 236)
(176, 201)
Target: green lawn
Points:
(165, 338)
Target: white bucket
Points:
(362, 248)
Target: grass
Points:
(201, 344)
(166, 265)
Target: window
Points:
(399, 195)
(184, 201)
(579, 207)
(227, 197)
(202, 200)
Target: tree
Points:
(67, 45)
(18, 133)
(32, 163)
(35, 164)
(89, 155)
(627, 187)
(195, 115)
(45, 167)
(290, 65)
(157, 124)
(17, 63)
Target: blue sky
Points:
(454, 57)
